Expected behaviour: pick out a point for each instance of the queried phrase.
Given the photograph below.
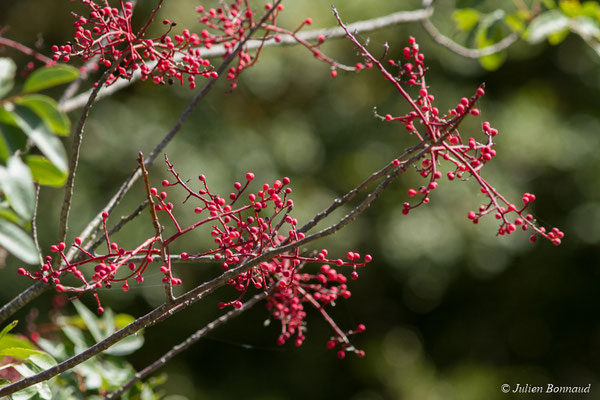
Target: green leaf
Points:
(42, 389)
(126, 346)
(557, 37)
(7, 75)
(56, 350)
(12, 136)
(488, 34)
(550, 4)
(515, 23)
(17, 183)
(10, 340)
(570, 8)
(44, 172)
(4, 148)
(466, 18)
(8, 214)
(37, 357)
(90, 319)
(47, 109)
(545, 24)
(122, 320)
(39, 133)
(76, 337)
(47, 77)
(17, 242)
(8, 328)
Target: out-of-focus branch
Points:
(439, 38)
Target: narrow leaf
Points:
(39, 133)
(47, 109)
(47, 77)
(7, 75)
(8, 328)
(90, 319)
(17, 242)
(44, 172)
(17, 183)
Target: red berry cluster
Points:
(107, 33)
(439, 134)
(240, 234)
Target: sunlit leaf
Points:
(7, 75)
(466, 18)
(557, 37)
(17, 184)
(17, 242)
(44, 172)
(47, 109)
(47, 77)
(10, 340)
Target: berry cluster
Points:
(441, 140)
(240, 233)
(107, 33)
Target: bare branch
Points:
(22, 299)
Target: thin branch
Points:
(26, 50)
(22, 299)
(157, 227)
(439, 38)
(117, 227)
(34, 230)
(370, 25)
(199, 334)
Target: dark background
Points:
(452, 311)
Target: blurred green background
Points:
(452, 311)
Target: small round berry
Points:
(104, 214)
(249, 176)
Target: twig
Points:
(199, 334)
(24, 49)
(117, 227)
(34, 230)
(22, 299)
(157, 227)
